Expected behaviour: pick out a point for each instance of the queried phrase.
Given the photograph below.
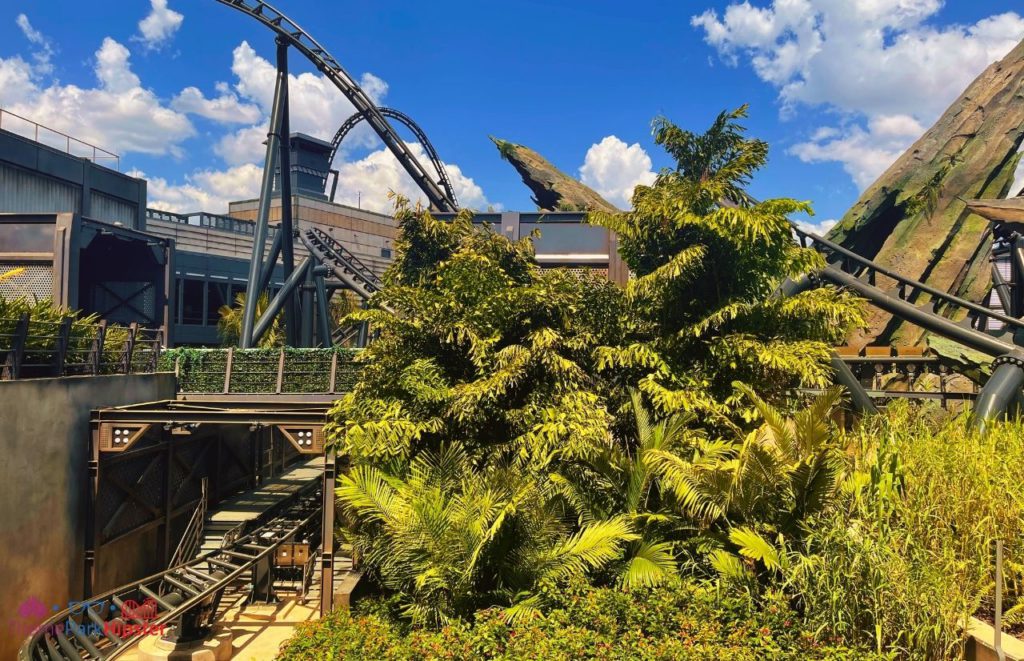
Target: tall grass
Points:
(907, 556)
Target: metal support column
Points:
(259, 243)
(327, 537)
(285, 229)
(306, 339)
(91, 523)
(323, 311)
(1003, 392)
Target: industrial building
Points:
(81, 233)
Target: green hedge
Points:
(255, 370)
(689, 620)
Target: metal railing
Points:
(193, 535)
(261, 372)
(210, 220)
(90, 151)
(31, 348)
(907, 289)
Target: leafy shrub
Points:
(707, 258)
(908, 556)
(678, 621)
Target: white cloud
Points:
(613, 169)
(226, 108)
(204, 190)
(820, 228)
(36, 38)
(317, 107)
(366, 182)
(864, 153)
(159, 26)
(119, 115)
(871, 60)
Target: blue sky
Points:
(181, 88)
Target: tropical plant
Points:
(707, 259)
(451, 539)
(475, 344)
(229, 325)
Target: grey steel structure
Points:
(299, 313)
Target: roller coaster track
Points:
(182, 598)
(421, 137)
(859, 274)
(289, 32)
(342, 263)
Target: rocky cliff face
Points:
(914, 219)
(553, 190)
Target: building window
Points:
(218, 294)
(193, 301)
(385, 252)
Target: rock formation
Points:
(914, 219)
(553, 190)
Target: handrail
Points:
(68, 139)
(193, 535)
(825, 246)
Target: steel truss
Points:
(183, 600)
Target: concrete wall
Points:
(44, 435)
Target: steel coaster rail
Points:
(854, 265)
(345, 266)
(185, 597)
(421, 137)
(293, 35)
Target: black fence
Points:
(40, 348)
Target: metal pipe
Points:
(268, 267)
(323, 310)
(909, 312)
(279, 299)
(1002, 391)
(285, 228)
(306, 294)
(259, 242)
(1002, 290)
(844, 376)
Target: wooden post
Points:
(97, 347)
(334, 373)
(155, 347)
(12, 367)
(60, 349)
(227, 370)
(280, 372)
(129, 349)
(327, 537)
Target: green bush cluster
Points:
(255, 370)
(684, 620)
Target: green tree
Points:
(707, 259)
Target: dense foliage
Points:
(707, 259)
(516, 429)
(681, 621)
(229, 322)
